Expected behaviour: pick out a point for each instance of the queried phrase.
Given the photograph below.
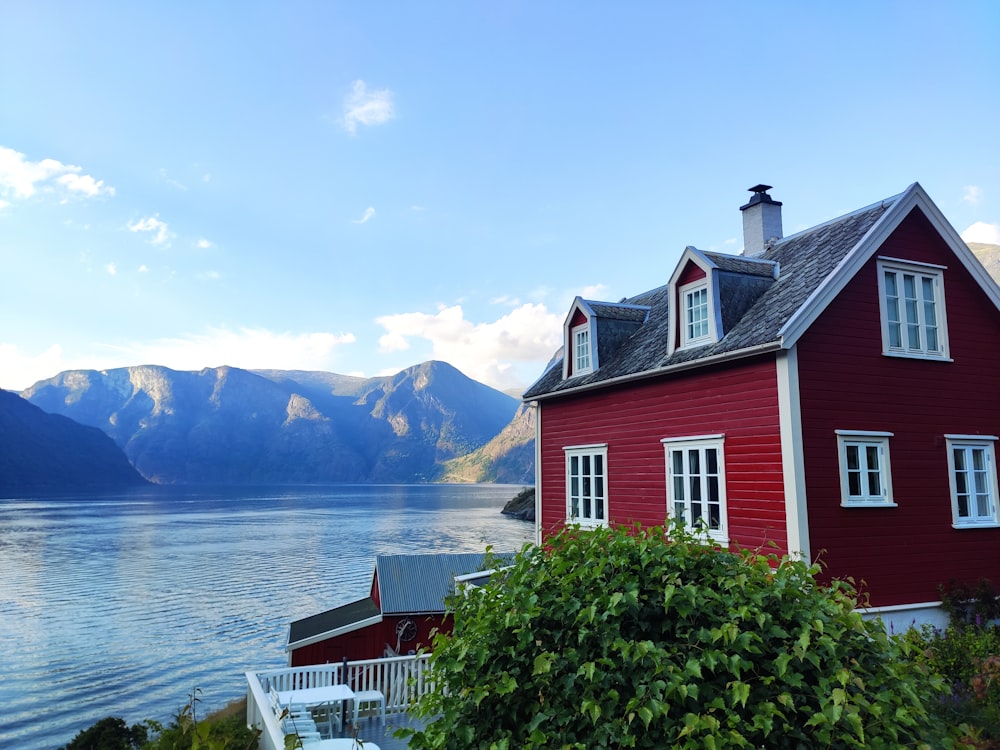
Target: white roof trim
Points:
(913, 197)
(343, 630)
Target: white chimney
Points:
(761, 221)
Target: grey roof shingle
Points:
(804, 260)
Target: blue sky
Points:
(359, 187)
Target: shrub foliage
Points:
(614, 638)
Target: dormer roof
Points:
(807, 271)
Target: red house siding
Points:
(899, 554)
(739, 400)
(370, 642)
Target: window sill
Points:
(866, 504)
(964, 526)
(587, 523)
(915, 355)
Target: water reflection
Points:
(120, 605)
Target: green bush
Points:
(111, 733)
(614, 638)
(967, 658)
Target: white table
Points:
(317, 696)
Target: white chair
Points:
(373, 697)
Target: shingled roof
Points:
(804, 262)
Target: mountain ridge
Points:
(226, 424)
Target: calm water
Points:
(121, 605)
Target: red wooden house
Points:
(405, 606)
(835, 392)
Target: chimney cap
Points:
(760, 196)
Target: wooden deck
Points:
(371, 730)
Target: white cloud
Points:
(248, 348)
(364, 107)
(161, 233)
(22, 178)
(204, 244)
(983, 232)
(366, 216)
(20, 370)
(507, 353)
(209, 276)
(112, 269)
(972, 194)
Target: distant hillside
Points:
(509, 458)
(989, 256)
(230, 425)
(47, 452)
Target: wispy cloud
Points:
(504, 353)
(983, 232)
(364, 107)
(204, 244)
(112, 269)
(22, 178)
(972, 194)
(366, 216)
(161, 234)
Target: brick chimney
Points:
(761, 221)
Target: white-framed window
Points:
(587, 484)
(696, 313)
(582, 355)
(865, 476)
(912, 308)
(696, 484)
(973, 478)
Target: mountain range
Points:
(228, 425)
(84, 428)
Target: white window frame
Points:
(902, 322)
(583, 356)
(587, 497)
(862, 441)
(705, 333)
(967, 444)
(700, 481)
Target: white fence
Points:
(401, 679)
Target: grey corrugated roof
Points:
(419, 584)
(805, 260)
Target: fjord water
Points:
(122, 605)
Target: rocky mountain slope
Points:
(230, 425)
(47, 452)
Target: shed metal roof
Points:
(419, 584)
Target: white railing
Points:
(401, 679)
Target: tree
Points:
(111, 733)
(616, 637)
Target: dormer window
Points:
(694, 301)
(582, 359)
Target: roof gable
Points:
(807, 270)
(913, 197)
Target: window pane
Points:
(711, 461)
(853, 458)
(677, 460)
(694, 463)
(714, 516)
(713, 489)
